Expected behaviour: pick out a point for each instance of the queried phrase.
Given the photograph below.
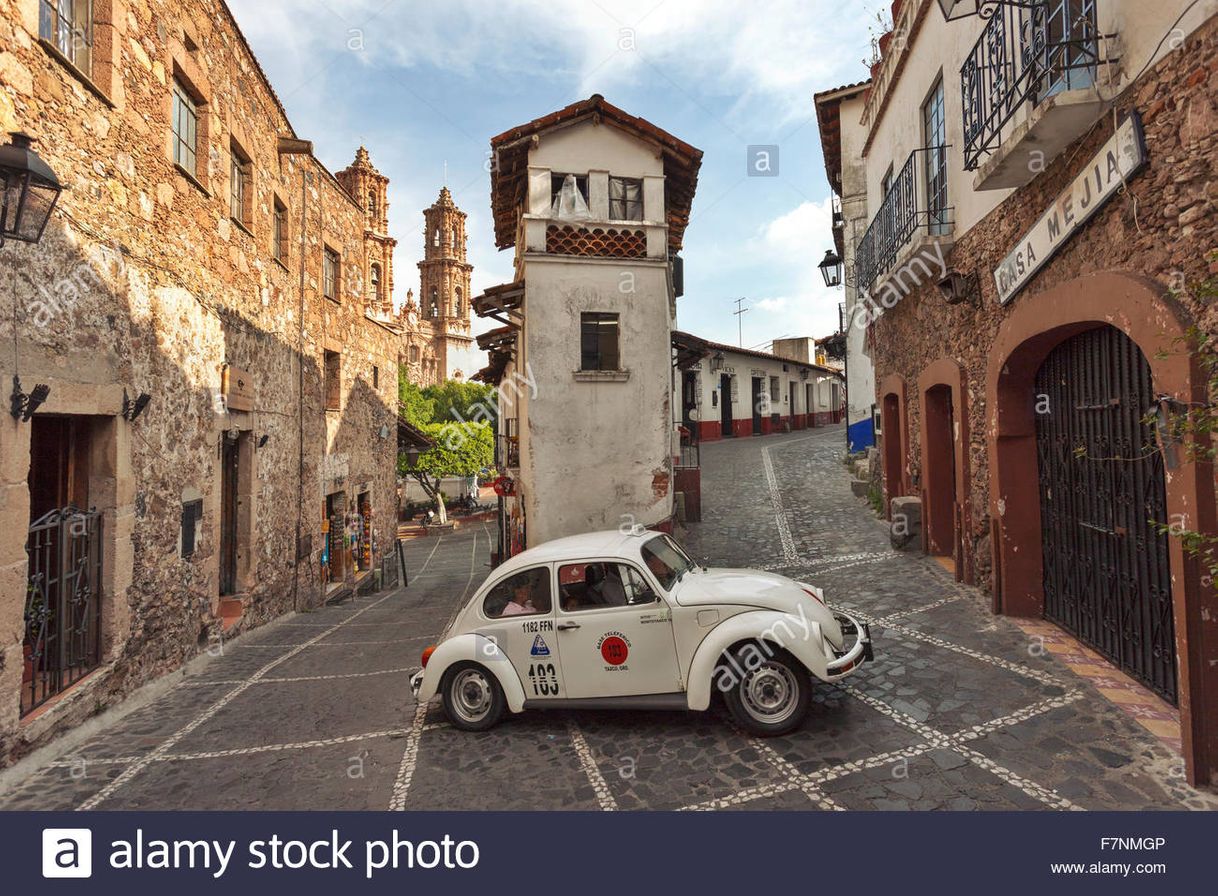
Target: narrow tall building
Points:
(371, 188)
(437, 328)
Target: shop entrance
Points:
(62, 638)
(1107, 574)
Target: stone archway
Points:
(894, 443)
(1139, 308)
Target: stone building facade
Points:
(217, 445)
(437, 342)
(1030, 324)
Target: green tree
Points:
(455, 400)
(462, 449)
(417, 409)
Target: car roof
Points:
(611, 543)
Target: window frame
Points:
(185, 101)
(331, 274)
(614, 561)
(558, 178)
(625, 204)
(374, 282)
(600, 319)
(933, 118)
(332, 389)
(548, 611)
(62, 33)
(241, 187)
(279, 231)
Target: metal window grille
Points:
(62, 640)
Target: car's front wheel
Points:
(473, 699)
(768, 698)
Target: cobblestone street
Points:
(957, 711)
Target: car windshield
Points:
(666, 560)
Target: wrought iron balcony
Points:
(916, 203)
(1026, 54)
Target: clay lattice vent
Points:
(596, 242)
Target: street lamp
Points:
(29, 190)
(960, 9)
(831, 268)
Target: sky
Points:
(425, 85)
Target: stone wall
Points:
(144, 283)
(1162, 226)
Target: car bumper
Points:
(860, 652)
(416, 682)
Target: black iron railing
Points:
(916, 202)
(1024, 55)
(62, 640)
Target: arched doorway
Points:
(1107, 572)
(939, 469)
(891, 438)
(1036, 326)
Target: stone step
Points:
(860, 487)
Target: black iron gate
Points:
(1107, 576)
(62, 640)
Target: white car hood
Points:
(752, 588)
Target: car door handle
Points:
(567, 626)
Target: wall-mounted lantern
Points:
(29, 190)
(22, 406)
(961, 9)
(132, 409)
(716, 361)
(831, 269)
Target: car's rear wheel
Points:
(473, 700)
(769, 698)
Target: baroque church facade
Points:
(437, 344)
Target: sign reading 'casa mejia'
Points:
(1119, 159)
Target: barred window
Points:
(185, 128)
(625, 199)
(68, 25)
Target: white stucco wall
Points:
(940, 48)
(595, 451)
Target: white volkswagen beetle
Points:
(628, 620)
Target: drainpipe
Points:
(293, 146)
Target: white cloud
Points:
(780, 51)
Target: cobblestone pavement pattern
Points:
(960, 710)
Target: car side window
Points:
(599, 585)
(523, 594)
(638, 589)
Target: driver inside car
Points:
(521, 603)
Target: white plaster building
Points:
(839, 112)
(733, 392)
(595, 203)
